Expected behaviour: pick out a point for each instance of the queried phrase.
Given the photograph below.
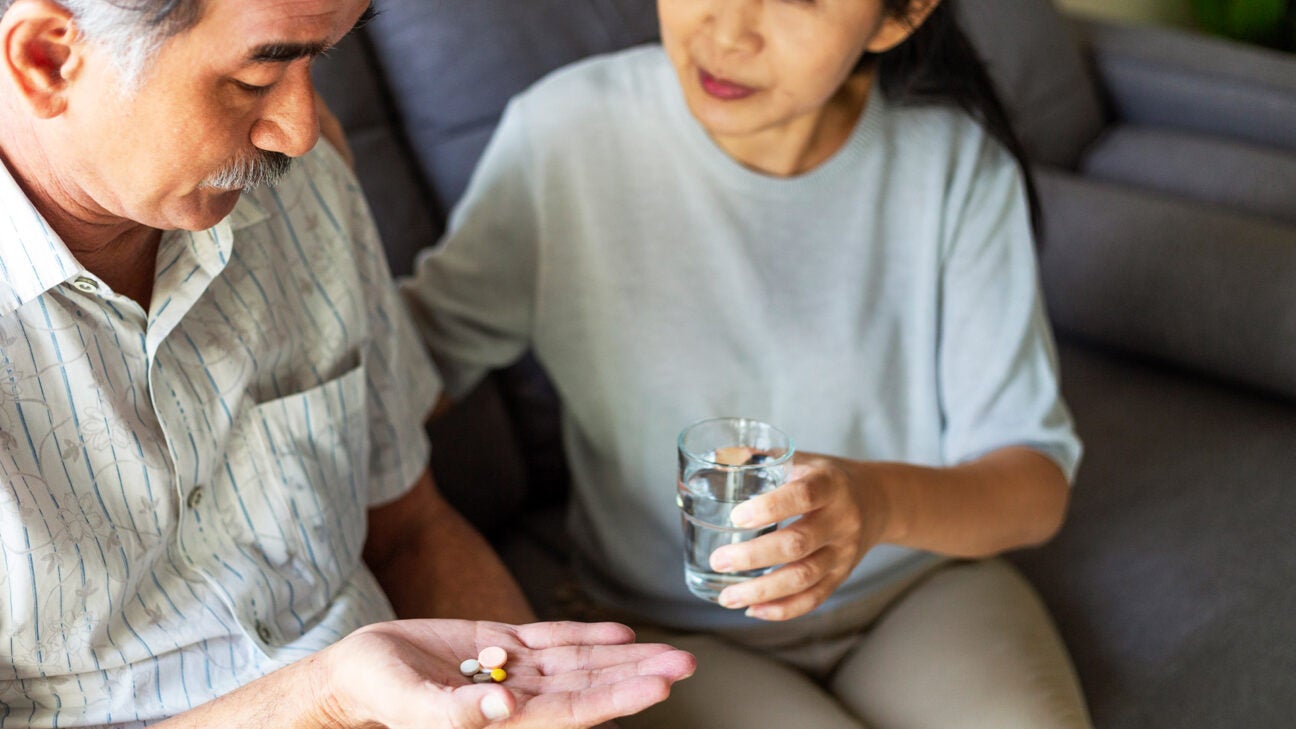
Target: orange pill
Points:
(492, 657)
(733, 455)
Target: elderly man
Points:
(207, 389)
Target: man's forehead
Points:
(282, 30)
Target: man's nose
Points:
(289, 124)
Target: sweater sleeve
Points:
(997, 361)
(472, 295)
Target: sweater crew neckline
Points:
(739, 177)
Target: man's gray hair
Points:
(131, 31)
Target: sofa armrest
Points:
(1192, 82)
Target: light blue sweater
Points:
(881, 306)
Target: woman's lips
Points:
(722, 89)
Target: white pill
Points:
(469, 667)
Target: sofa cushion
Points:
(1172, 576)
(348, 80)
(1040, 74)
(1181, 80)
(1197, 286)
(453, 65)
(1210, 170)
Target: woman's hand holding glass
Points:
(841, 516)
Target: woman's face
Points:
(753, 66)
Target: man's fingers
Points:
(657, 660)
(591, 706)
(480, 705)
(566, 659)
(539, 636)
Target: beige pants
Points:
(968, 645)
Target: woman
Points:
(808, 212)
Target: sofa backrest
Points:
(351, 81)
(1041, 75)
(439, 73)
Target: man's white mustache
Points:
(250, 172)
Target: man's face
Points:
(216, 97)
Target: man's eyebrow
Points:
(286, 52)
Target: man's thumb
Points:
(481, 706)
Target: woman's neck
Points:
(804, 143)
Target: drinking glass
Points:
(722, 463)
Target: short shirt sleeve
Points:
(998, 364)
(402, 386)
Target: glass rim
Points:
(787, 456)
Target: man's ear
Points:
(41, 53)
(897, 29)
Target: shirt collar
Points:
(248, 212)
(34, 259)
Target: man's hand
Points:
(560, 675)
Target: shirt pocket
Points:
(310, 451)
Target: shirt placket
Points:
(196, 439)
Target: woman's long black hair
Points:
(937, 63)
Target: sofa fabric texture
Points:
(1197, 286)
(1209, 171)
(449, 107)
(1041, 76)
(1173, 80)
(1168, 261)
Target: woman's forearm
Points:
(1009, 498)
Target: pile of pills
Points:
(487, 666)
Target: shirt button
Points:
(263, 632)
(195, 497)
(87, 285)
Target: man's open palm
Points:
(405, 674)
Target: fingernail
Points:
(730, 599)
(755, 612)
(740, 516)
(720, 562)
(493, 707)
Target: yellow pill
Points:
(498, 674)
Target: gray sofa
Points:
(1167, 170)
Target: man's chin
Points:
(212, 206)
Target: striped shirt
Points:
(183, 491)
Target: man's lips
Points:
(722, 89)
